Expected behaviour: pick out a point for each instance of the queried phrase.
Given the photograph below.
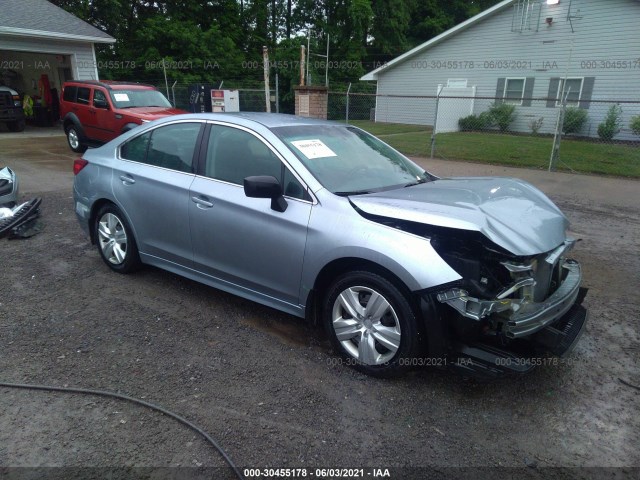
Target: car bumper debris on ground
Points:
(17, 221)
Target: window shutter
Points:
(587, 91)
(500, 90)
(554, 83)
(528, 91)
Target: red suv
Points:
(94, 112)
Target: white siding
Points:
(82, 55)
(604, 31)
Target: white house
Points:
(37, 37)
(521, 51)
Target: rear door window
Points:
(83, 95)
(136, 148)
(171, 146)
(69, 94)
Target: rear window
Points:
(69, 94)
(83, 95)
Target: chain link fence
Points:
(602, 136)
(196, 97)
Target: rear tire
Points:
(371, 324)
(115, 240)
(73, 139)
(17, 126)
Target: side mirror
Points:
(263, 186)
(101, 104)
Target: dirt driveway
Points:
(267, 387)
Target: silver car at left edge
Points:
(326, 222)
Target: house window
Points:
(514, 90)
(573, 91)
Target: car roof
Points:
(112, 85)
(269, 120)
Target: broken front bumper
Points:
(519, 317)
(8, 186)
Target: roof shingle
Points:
(24, 16)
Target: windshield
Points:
(349, 161)
(138, 98)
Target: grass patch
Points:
(526, 151)
(513, 150)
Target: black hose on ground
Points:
(119, 396)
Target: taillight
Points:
(79, 164)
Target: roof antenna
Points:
(571, 17)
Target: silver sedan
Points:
(326, 222)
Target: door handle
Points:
(201, 202)
(127, 180)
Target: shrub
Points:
(503, 115)
(574, 120)
(611, 125)
(469, 123)
(536, 125)
(486, 120)
(474, 122)
(635, 124)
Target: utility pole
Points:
(302, 65)
(265, 59)
(326, 65)
(277, 96)
(308, 50)
(166, 83)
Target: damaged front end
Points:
(518, 295)
(507, 308)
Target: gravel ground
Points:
(268, 388)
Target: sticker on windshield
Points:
(121, 97)
(313, 149)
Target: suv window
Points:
(171, 146)
(139, 98)
(70, 93)
(83, 95)
(234, 154)
(99, 99)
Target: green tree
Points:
(225, 34)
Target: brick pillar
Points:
(311, 101)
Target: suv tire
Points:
(17, 126)
(73, 139)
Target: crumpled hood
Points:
(510, 212)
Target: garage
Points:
(41, 46)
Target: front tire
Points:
(73, 139)
(115, 240)
(371, 324)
